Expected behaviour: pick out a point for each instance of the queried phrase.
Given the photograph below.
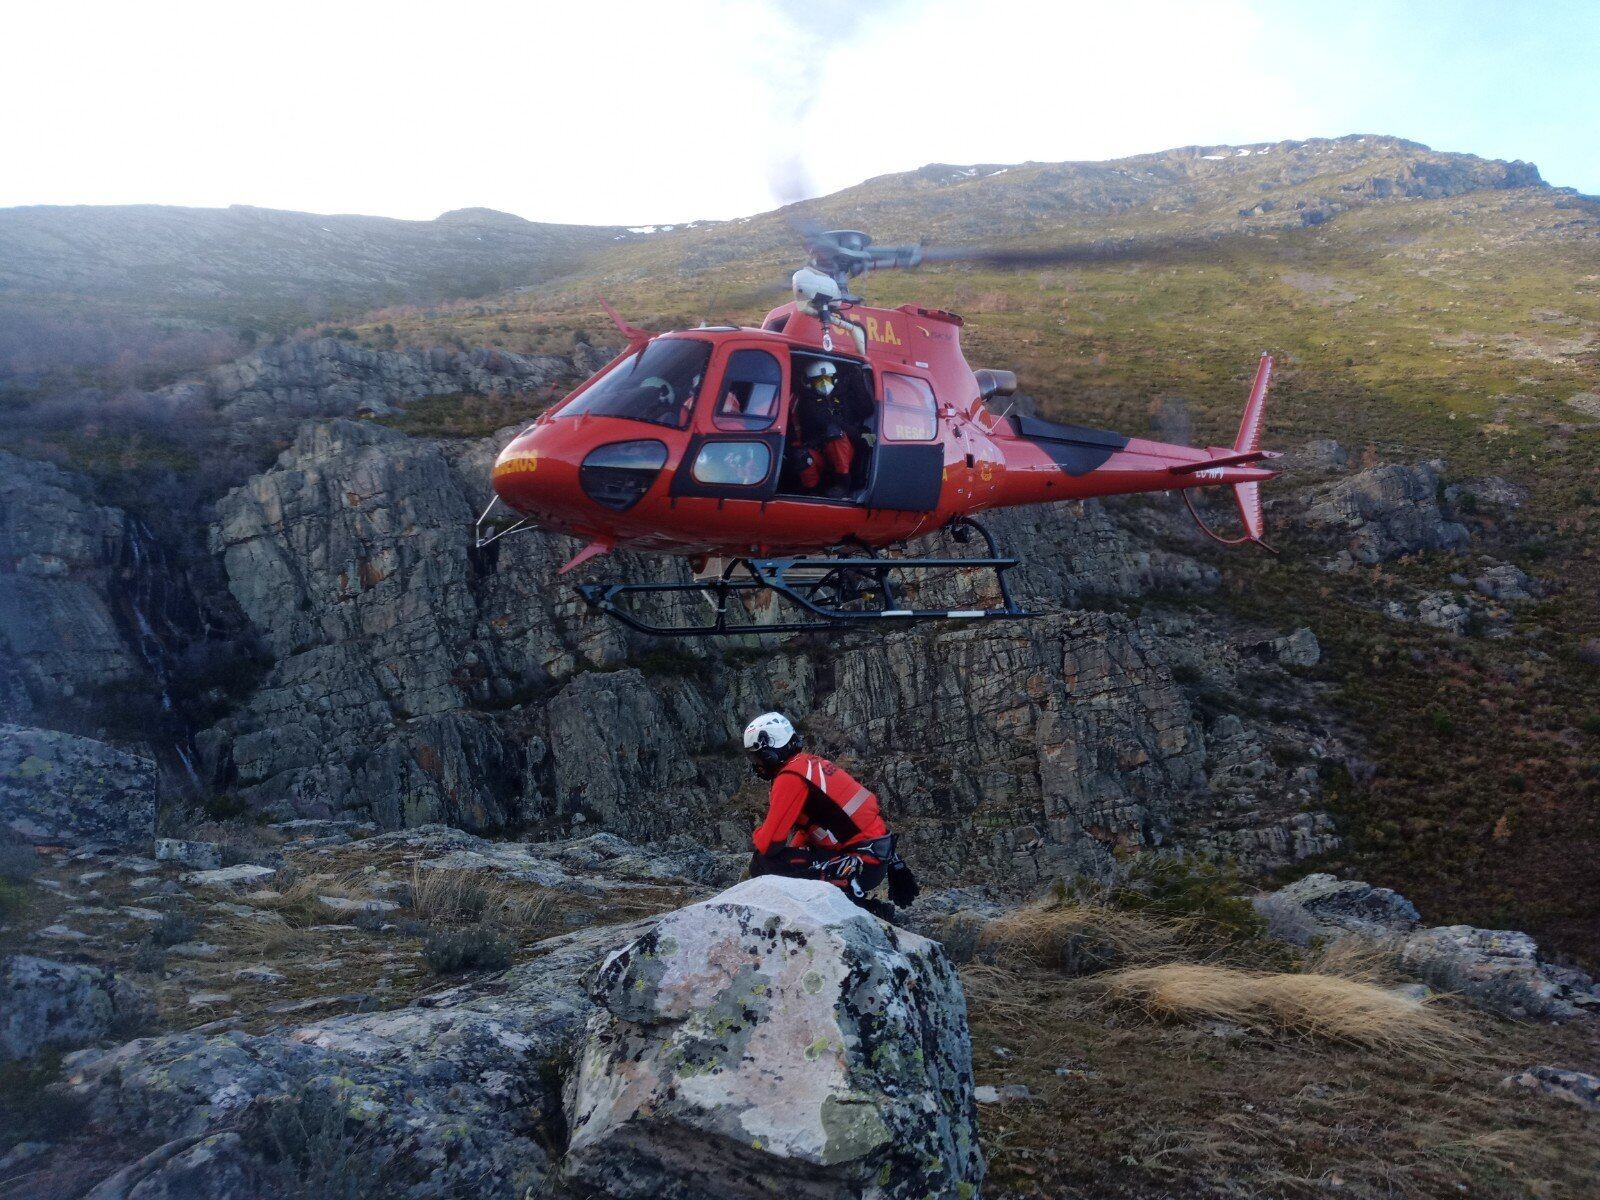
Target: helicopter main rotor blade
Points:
(1099, 251)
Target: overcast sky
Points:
(654, 112)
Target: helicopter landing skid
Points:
(834, 593)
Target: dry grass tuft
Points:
(1078, 939)
(460, 897)
(298, 903)
(1352, 957)
(1321, 1006)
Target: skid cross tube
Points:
(834, 583)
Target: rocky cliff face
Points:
(416, 680)
(60, 555)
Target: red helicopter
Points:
(678, 447)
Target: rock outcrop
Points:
(58, 787)
(773, 989)
(1574, 1087)
(454, 1096)
(1499, 969)
(1385, 512)
(776, 1040)
(450, 686)
(60, 1006)
(329, 377)
(1321, 906)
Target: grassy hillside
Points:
(1421, 305)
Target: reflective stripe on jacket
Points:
(838, 810)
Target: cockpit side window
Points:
(657, 384)
(751, 391)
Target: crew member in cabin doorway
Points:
(824, 454)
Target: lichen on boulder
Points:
(776, 1039)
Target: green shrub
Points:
(225, 806)
(19, 862)
(672, 663)
(313, 1151)
(452, 951)
(1185, 885)
(173, 929)
(150, 958)
(13, 900)
(30, 1110)
(370, 920)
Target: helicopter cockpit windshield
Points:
(657, 384)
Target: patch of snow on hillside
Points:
(1001, 171)
(644, 228)
(1214, 157)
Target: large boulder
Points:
(776, 1040)
(1499, 969)
(56, 1005)
(59, 787)
(1322, 906)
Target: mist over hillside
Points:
(105, 291)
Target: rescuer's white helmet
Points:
(769, 730)
(770, 741)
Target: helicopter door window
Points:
(657, 385)
(751, 389)
(733, 464)
(910, 413)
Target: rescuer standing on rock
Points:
(821, 823)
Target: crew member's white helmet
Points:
(770, 730)
(819, 377)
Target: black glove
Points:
(903, 886)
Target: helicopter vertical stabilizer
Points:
(1248, 495)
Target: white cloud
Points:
(613, 112)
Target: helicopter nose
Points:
(530, 479)
(577, 476)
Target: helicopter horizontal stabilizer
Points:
(1225, 460)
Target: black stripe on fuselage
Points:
(1076, 449)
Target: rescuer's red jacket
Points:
(816, 804)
